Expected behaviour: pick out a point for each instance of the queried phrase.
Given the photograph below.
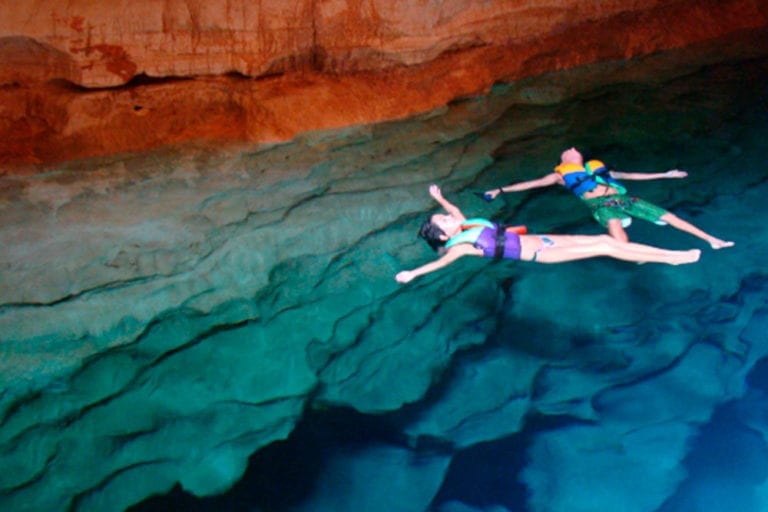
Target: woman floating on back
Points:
(453, 236)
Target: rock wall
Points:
(108, 43)
(164, 315)
(79, 78)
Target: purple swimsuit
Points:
(495, 241)
(495, 244)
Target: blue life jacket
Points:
(582, 179)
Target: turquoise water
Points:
(221, 328)
(653, 394)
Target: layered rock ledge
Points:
(80, 79)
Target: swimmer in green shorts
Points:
(618, 206)
(454, 236)
(598, 187)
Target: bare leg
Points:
(616, 230)
(578, 247)
(676, 222)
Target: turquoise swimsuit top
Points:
(470, 232)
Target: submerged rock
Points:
(165, 315)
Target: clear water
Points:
(160, 308)
(667, 453)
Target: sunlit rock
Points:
(81, 79)
(108, 44)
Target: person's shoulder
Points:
(553, 177)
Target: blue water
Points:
(728, 459)
(219, 329)
(703, 353)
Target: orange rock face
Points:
(81, 78)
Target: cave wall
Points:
(108, 43)
(81, 79)
(164, 315)
(144, 294)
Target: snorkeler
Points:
(453, 236)
(599, 189)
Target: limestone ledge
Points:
(108, 43)
(82, 79)
(165, 314)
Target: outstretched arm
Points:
(552, 178)
(446, 259)
(449, 207)
(674, 173)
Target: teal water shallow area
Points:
(218, 328)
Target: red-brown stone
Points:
(80, 80)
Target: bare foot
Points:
(691, 256)
(719, 244)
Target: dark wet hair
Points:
(431, 234)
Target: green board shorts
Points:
(621, 206)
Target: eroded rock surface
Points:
(165, 314)
(107, 44)
(82, 79)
